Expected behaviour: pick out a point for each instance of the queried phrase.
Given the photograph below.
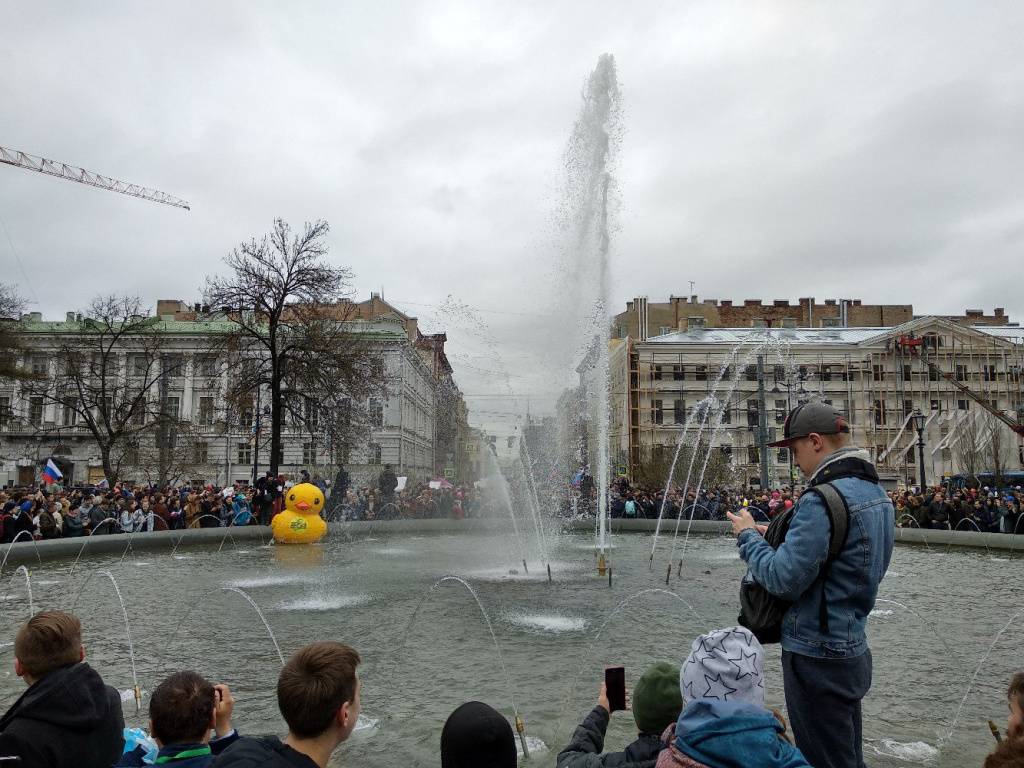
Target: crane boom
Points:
(1011, 423)
(21, 159)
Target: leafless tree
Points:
(999, 449)
(968, 448)
(11, 348)
(108, 378)
(292, 334)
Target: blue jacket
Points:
(728, 734)
(792, 571)
(181, 755)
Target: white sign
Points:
(401, 484)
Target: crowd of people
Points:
(986, 509)
(709, 710)
(53, 512)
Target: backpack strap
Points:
(839, 528)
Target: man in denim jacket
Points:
(825, 657)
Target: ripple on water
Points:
(911, 751)
(391, 551)
(879, 612)
(365, 723)
(548, 622)
(535, 745)
(275, 580)
(323, 602)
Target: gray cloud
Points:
(772, 150)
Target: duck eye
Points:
(292, 497)
(316, 501)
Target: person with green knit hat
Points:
(656, 703)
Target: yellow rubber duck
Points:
(300, 522)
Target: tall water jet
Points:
(587, 220)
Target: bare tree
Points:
(292, 334)
(108, 378)
(999, 448)
(11, 347)
(969, 448)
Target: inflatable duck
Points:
(300, 522)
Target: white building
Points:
(876, 376)
(220, 445)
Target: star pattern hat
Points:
(727, 664)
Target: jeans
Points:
(823, 697)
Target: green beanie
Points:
(656, 698)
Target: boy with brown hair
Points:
(68, 718)
(318, 695)
(183, 710)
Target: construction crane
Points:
(64, 171)
(911, 345)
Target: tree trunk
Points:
(276, 412)
(108, 470)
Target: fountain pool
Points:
(426, 648)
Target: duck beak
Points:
(303, 505)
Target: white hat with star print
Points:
(727, 664)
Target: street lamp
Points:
(918, 419)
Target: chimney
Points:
(725, 303)
(70, 317)
(640, 304)
(999, 311)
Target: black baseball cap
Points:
(813, 416)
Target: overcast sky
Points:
(866, 150)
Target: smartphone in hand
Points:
(615, 688)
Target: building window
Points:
(988, 373)
(753, 455)
(5, 411)
(376, 413)
(906, 373)
(312, 415)
(701, 373)
(962, 405)
(245, 453)
(138, 412)
(309, 453)
(375, 454)
(753, 413)
(678, 373)
(933, 373)
(173, 365)
(139, 365)
(961, 372)
(878, 373)
(750, 373)
(679, 411)
(782, 456)
(726, 414)
(246, 415)
(207, 365)
(201, 452)
(131, 455)
(657, 412)
(70, 412)
(936, 405)
(780, 415)
(656, 373)
(39, 365)
(879, 413)
(171, 407)
(35, 410)
(726, 453)
(826, 373)
(206, 411)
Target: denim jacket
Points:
(792, 571)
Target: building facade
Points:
(878, 376)
(213, 440)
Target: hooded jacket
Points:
(66, 719)
(584, 751)
(262, 752)
(725, 734)
(476, 735)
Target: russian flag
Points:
(50, 473)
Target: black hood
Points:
(477, 736)
(73, 698)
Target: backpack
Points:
(760, 611)
(629, 509)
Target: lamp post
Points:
(256, 436)
(918, 418)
